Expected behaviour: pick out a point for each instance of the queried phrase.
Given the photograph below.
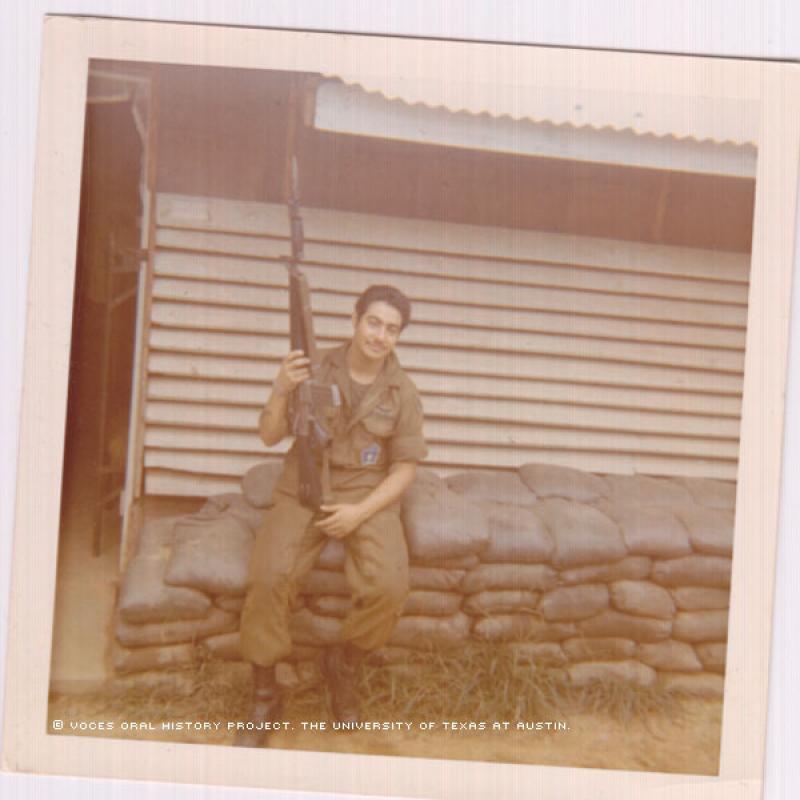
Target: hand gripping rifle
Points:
(313, 397)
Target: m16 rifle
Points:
(311, 400)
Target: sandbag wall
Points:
(605, 577)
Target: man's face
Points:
(377, 332)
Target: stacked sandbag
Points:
(186, 583)
(612, 578)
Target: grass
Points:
(478, 681)
(488, 681)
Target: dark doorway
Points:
(104, 322)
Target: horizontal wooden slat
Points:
(457, 457)
(446, 237)
(465, 362)
(175, 441)
(499, 411)
(455, 390)
(602, 463)
(275, 299)
(533, 273)
(500, 295)
(213, 369)
(232, 441)
(530, 434)
(178, 485)
(207, 318)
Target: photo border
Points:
(68, 45)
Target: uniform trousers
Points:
(287, 547)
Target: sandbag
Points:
(704, 684)
(330, 605)
(259, 481)
(626, 626)
(701, 626)
(694, 570)
(432, 604)
(711, 493)
(451, 562)
(441, 525)
(212, 555)
(144, 597)
(586, 673)
(140, 659)
(670, 655)
(652, 532)
(510, 627)
(533, 577)
(152, 633)
(710, 529)
(607, 648)
(426, 477)
(712, 655)
(642, 490)
(500, 601)
(630, 568)
(230, 603)
(305, 627)
(236, 506)
(642, 598)
(582, 534)
(516, 535)
(421, 633)
(483, 486)
(157, 536)
(700, 598)
(571, 603)
(322, 581)
(443, 580)
(538, 653)
(332, 555)
(550, 480)
(225, 646)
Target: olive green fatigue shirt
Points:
(385, 428)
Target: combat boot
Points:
(340, 666)
(265, 706)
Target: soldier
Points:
(376, 443)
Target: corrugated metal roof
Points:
(721, 120)
(350, 109)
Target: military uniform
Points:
(384, 428)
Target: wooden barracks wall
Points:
(600, 354)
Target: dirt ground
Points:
(682, 738)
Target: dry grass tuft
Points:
(483, 681)
(478, 681)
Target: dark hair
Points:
(383, 293)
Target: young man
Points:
(377, 442)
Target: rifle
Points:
(312, 397)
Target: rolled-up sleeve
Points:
(408, 441)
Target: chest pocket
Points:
(381, 422)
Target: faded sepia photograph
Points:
(542, 566)
(406, 411)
